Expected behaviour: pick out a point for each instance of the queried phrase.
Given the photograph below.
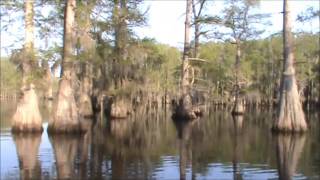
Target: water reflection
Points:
(289, 148)
(155, 147)
(65, 150)
(237, 148)
(27, 146)
(184, 130)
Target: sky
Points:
(166, 18)
(166, 21)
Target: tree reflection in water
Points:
(27, 146)
(65, 150)
(71, 152)
(124, 148)
(289, 148)
(237, 136)
(184, 130)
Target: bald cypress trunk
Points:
(88, 46)
(290, 113)
(27, 117)
(65, 113)
(185, 108)
(121, 37)
(238, 108)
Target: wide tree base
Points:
(119, 109)
(184, 110)
(238, 109)
(187, 113)
(287, 130)
(65, 113)
(27, 129)
(85, 107)
(27, 117)
(291, 117)
(65, 129)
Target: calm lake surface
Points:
(217, 146)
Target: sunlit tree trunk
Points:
(185, 109)
(27, 117)
(27, 147)
(186, 51)
(238, 106)
(290, 113)
(65, 113)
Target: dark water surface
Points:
(214, 147)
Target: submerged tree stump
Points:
(27, 117)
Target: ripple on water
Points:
(167, 167)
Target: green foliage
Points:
(261, 64)
(10, 77)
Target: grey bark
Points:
(290, 113)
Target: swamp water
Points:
(215, 147)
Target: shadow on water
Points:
(27, 147)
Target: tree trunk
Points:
(290, 114)
(27, 117)
(196, 18)
(196, 38)
(120, 32)
(185, 109)
(238, 108)
(27, 147)
(85, 103)
(186, 51)
(88, 46)
(48, 79)
(65, 113)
